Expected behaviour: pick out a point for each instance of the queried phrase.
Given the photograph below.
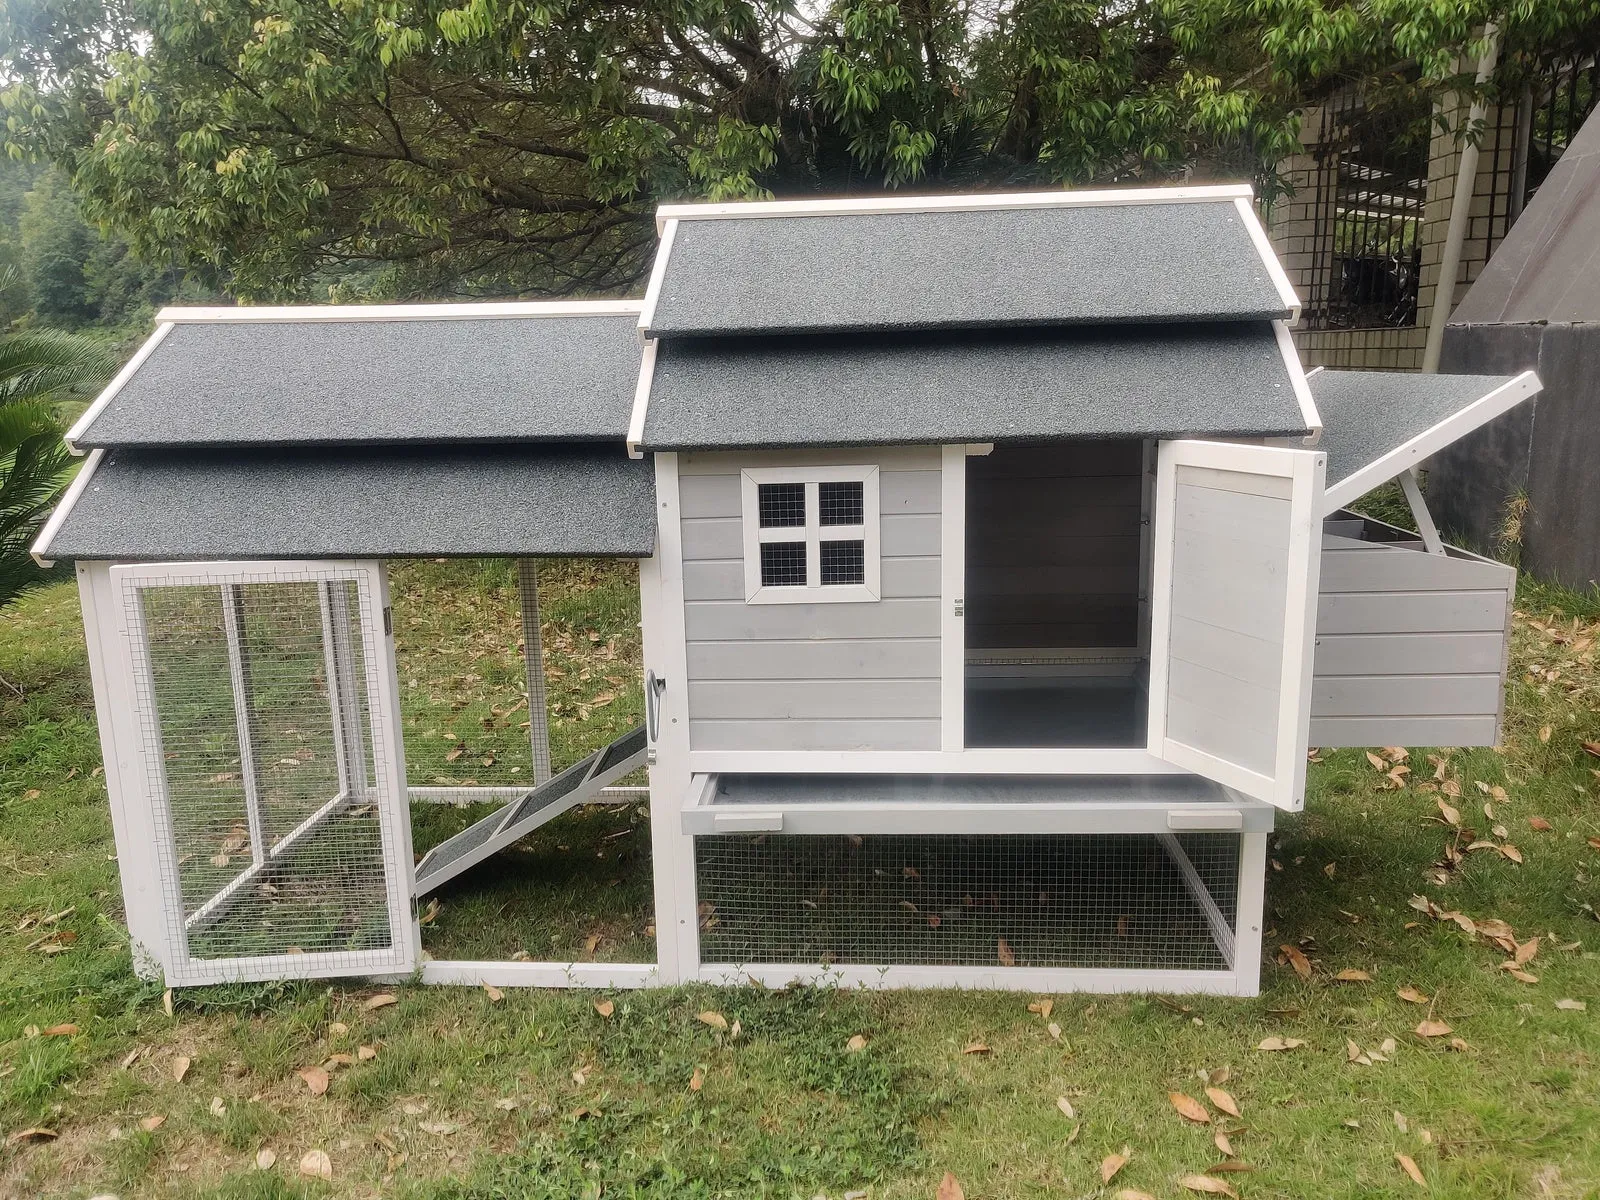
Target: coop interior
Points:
(262, 704)
(1057, 625)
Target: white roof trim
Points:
(1430, 441)
(859, 205)
(80, 484)
(658, 274)
(1297, 379)
(129, 368)
(464, 311)
(1269, 257)
(641, 399)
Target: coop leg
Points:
(533, 665)
(1251, 911)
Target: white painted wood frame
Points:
(1047, 980)
(973, 202)
(454, 311)
(1245, 475)
(159, 914)
(118, 382)
(1297, 380)
(952, 589)
(812, 534)
(52, 526)
(1269, 257)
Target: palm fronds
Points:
(33, 458)
(42, 361)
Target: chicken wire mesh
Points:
(254, 708)
(1075, 901)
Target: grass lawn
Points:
(541, 1094)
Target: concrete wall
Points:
(1535, 467)
(840, 676)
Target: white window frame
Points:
(813, 534)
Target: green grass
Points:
(538, 1095)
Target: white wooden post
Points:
(533, 665)
(239, 674)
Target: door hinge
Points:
(960, 607)
(388, 621)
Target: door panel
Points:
(1233, 607)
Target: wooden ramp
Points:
(580, 783)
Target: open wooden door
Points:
(268, 758)
(1233, 609)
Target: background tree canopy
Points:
(410, 147)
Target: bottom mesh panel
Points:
(1115, 900)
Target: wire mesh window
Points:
(844, 562)
(254, 708)
(782, 505)
(1085, 901)
(783, 564)
(841, 503)
(1371, 185)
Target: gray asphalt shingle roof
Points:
(1368, 414)
(991, 386)
(505, 379)
(1138, 262)
(363, 503)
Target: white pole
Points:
(1444, 292)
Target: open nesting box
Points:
(1093, 883)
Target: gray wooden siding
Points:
(1411, 647)
(812, 676)
(1053, 544)
(1229, 596)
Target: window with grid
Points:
(811, 534)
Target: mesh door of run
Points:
(270, 760)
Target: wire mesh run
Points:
(1137, 901)
(256, 717)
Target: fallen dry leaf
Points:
(1450, 813)
(1112, 1163)
(1223, 1101)
(1042, 1007)
(1539, 825)
(1053, 1030)
(1353, 975)
(1412, 995)
(949, 1189)
(604, 1007)
(1525, 952)
(1221, 1142)
(1279, 1043)
(316, 1080)
(180, 1068)
(366, 1053)
(1004, 954)
(1432, 1029)
(218, 1108)
(1134, 1194)
(152, 1123)
(1065, 1106)
(266, 1157)
(714, 1019)
(976, 1048)
(35, 1134)
(315, 1164)
(1409, 1166)
(856, 1043)
(166, 1002)
(1207, 1184)
(1572, 1006)
(495, 994)
(1231, 1167)
(1297, 960)
(1189, 1108)
(1511, 852)
(66, 1030)
(697, 1080)
(381, 1000)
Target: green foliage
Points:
(33, 460)
(470, 146)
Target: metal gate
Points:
(269, 760)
